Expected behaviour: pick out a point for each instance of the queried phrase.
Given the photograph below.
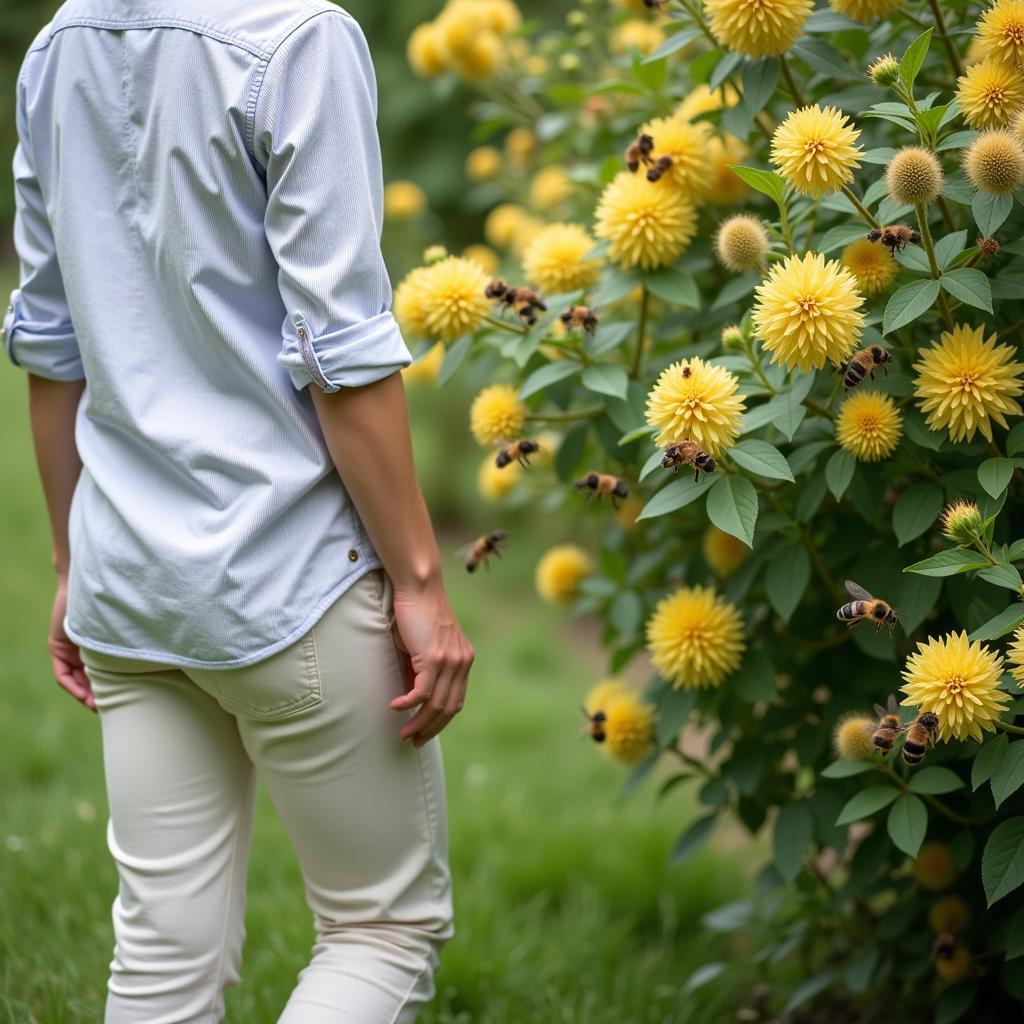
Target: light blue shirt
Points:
(199, 212)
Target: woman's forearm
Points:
(53, 405)
(367, 433)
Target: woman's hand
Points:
(437, 659)
(64, 654)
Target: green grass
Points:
(565, 908)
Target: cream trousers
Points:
(365, 812)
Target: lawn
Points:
(566, 908)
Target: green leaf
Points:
(732, 507)
(674, 709)
(768, 182)
(913, 58)
(915, 511)
(1015, 440)
(988, 759)
(948, 563)
(760, 77)
(1008, 776)
(762, 458)
(791, 838)
(999, 625)
(839, 472)
(546, 375)
(968, 285)
(935, 779)
(675, 495)
(1002, 863)
(867, 802)
(454, 356)
(786, 579)
(1002, 576)
(907, 823)
(990, 211)
(693, 838)
(908, 303)
(703, 975)
(954, 1002)
(846, 769)
(606, 379)
(1015, 936)
(995, 475)
(946, 249)
(673, 285)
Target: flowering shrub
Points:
(756, 273)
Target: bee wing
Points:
(464, 549)
(857, 591)
(894, 704)
(880, 711)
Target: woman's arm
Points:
(367, 433)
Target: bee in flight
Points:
(920, 733)
(863, 364)
(580, 316)
(866, 609)
(518, 451)
(525, 301)
(655, 5)
(660, 167)
(602, 483)
(639, 152)
(594, 727)
(890, 725)
(481, 549)
(687, 453)
(895, 237)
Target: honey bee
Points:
(603, 483)
(580, 316)
(944, 947)
(519, 451)
(920, 733)
(525, 301)
(654, 5)
(660, 168)
(687, 453)
(594, 727)
(639, 152)
(895, 237)
(890, 725)
(864, 363)
(496, 288)
(866, 607)
(477, 552)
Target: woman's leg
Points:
(180, 788)
(365, 812)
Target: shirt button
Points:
(352, 554)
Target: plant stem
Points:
(564, 417)
(641, 328)
(940, 24)
(946, 812)
(929, 248)
(865, 213)
(1008, 727)
(505, 326)
(794, 89)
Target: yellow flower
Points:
(502, 222)
(1017, 125)
(866, 11)
(1001, 32)
(872, 267)
(696, 401)
(560, 572)
(549, 187)
(483, 255)
(469, 40)
(403, 199)
(425, 51)
(723, 552)
(758, 28)
(869, 426)
(961, 522)
(695, 638)
(816, 150)
(994, 162)
(408, 305)
(644, 35)
(688, 148)
(494, 483)
(452, 297)
(914, 175)
(954, 965)
(555, 261)
(933, 867)
(1016, 656)
(599, 695)
(949, 914)
(742, 242)
(727, 187)
(957, 681)
(628, 728)
(649, 224)
(808, 311)
(520, 144)
(496, 414)
(990, 94)
(965, 382)
(852, 739)
(427, 367)
(482, 163)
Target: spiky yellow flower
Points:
(723, 552)
(994, 162)
(990, 93)
(957, 681)
(403, 199)
(695, 638)
(408, 303)
(556, 260)
(852, 738)
(758, 28)
(496, 413)
(965, 382)
(949, 914)
(560, 572)
(628, 728)
(696, 401)
(502, 222)
(816, 150)
(494, 483)
(914, 175)
(1001, 32)
(871, 265)
(866, 11)
(483, 255)
(636, 32)
(426, 369)
(648, 223)
(1015, 654)
(933, 867)
(702, 99)
(482, 163)
(808, 311)
(961, 522)
(741, 242)
(601, 693)
(869, 426)
(688, 147)
(425, 51)
(549, 187)
(452, 299)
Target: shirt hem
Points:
(163, 657)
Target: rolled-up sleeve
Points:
(37, 331)
(315, 134)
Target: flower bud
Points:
(988, 246)
(742, 242)
(569, 62)
(994, 163)
(961, 522)
(914, 176)
(852, 739)
(732, 338)
(434, 254)
(576, 19)
(885, 71)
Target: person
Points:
(248, 584)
